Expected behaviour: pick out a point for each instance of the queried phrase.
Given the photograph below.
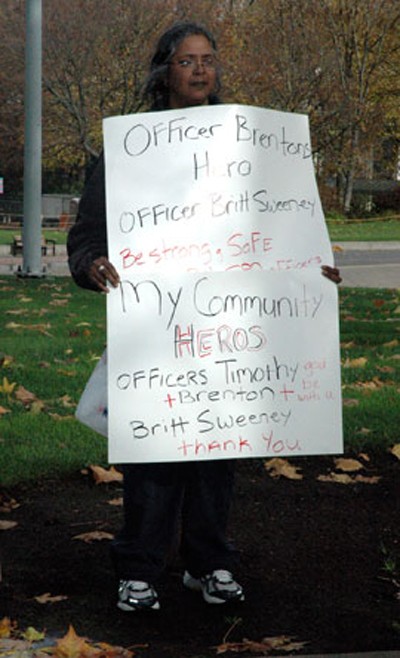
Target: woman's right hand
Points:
(102, 272)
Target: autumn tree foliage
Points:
(335, 60)
(11, 91)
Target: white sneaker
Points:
(137, 595)
(216, 587)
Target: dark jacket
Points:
(87, 239)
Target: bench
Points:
(17, 246)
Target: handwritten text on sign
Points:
(223, 335)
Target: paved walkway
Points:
(364, 276)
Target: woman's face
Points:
(192, 72)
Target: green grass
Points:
(364, 230)
(52, 333)
(340, 229)
(6, 235)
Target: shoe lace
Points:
(137, 585)
(222, 575)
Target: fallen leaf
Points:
(41, 328)
(7, 387)
(350, 402)
(264, 647)
(371, 385)
(281, 468)
(344, 478)
(66, 373)
(7, 525)
(373, 479)
(337, 247)
(108, 651)
(7, 627)
(378, 303)
(389, 369)
(339, 478)
(116, 501)
(102, 475)
(14, 647)
(95, 535)
(364, 431)
(7, 504)
(391, 343)
(349, 465)
(60, 417)
(24, 396)
(32, 635)
(348, 345)
(4, 411)
(71, 646)
(66, 401)
(5, 360)
(58, 302)
(48, 598)
(17, 311)
(360, 362)
(395, 450)
(37, 407)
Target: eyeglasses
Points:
(191, 62)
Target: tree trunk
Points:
(348, 194)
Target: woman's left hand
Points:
(331, 273)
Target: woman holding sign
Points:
(160, 499)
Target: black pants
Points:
(159, 499)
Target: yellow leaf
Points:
(101, 475)
(7, 387)
(349, 465)
(7, 627)
(281, 468)
(66, 401)
(391, 343)
(395, 450)
(58, 302)
(48, 598)
(117, 502)
(338, 478)
(32, 635)
(7, 504)
(5, 360)
(7, 525)
(96, 535)
(371, 385)
(36, 407)
(344, 478)
(355, 363)
(71, 646)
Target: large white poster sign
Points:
(223, 335)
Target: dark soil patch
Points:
(312, 565)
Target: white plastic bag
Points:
(92, 409)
